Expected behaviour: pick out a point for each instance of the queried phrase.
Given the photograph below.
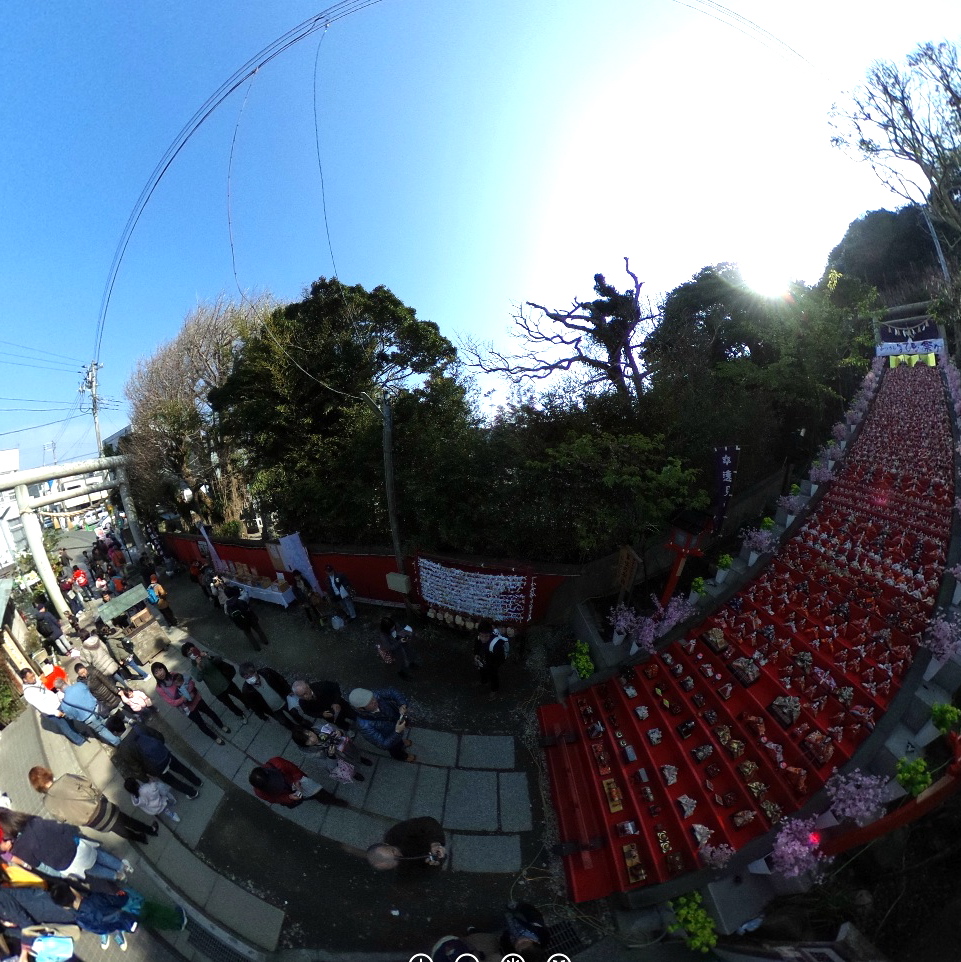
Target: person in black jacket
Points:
(321, 701)
(238, 610)
(265, 692)
(22, 906)
(147, 750)
(56, 848)
(490, 652)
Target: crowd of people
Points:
(107, 694)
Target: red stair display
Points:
(735, 726)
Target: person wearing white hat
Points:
(382, 720)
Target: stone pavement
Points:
(23, 745)
(476, 785)
(467, 782)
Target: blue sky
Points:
(475, 155)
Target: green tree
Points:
(729, 366)
(615, 489)
(301, 406)
(891, 251)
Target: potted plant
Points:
(856, 797)
(697, 589)
(767, 523)
(913, 776)
(796, 848)
(791, 505)
(716, 856)
(820, 475)
(945, 717)
(623, 620)
(581, 660)
(700, 933)
(723, 566)
(756, 542)
(942, 639)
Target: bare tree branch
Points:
(905, 122)
(175, 441)
(600, 339)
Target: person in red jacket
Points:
(280, 782)
(82, 583)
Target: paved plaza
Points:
(267, 881)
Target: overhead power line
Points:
(322, 20)
(37, 350)
(33, 400)
(34, 427)
(743, 25)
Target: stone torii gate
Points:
(17, 481)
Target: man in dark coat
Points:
(265, 692)
(491, 649)
(413, 845)
(321, 701)
(238, 610)
(146, 749)
(382, 720)
(22, 906)
(48, 627)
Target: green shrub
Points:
(724, 562)
(229, 529)
(697, 585)
(767, 523)
(945, 717)
(581, 660)
(700, 933)
(913, 776)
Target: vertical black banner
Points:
(725, 470)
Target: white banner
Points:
(217, 564)
(295, 557)
(499, 597)
(893, 348)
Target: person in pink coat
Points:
(180, 692)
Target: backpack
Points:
(44, 629)
(237, 612)
(53, 948)
(152, 595)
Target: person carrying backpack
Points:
(157, 595)
(48, 627)
(244, 617)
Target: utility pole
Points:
(90, 384)
(388, 437)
